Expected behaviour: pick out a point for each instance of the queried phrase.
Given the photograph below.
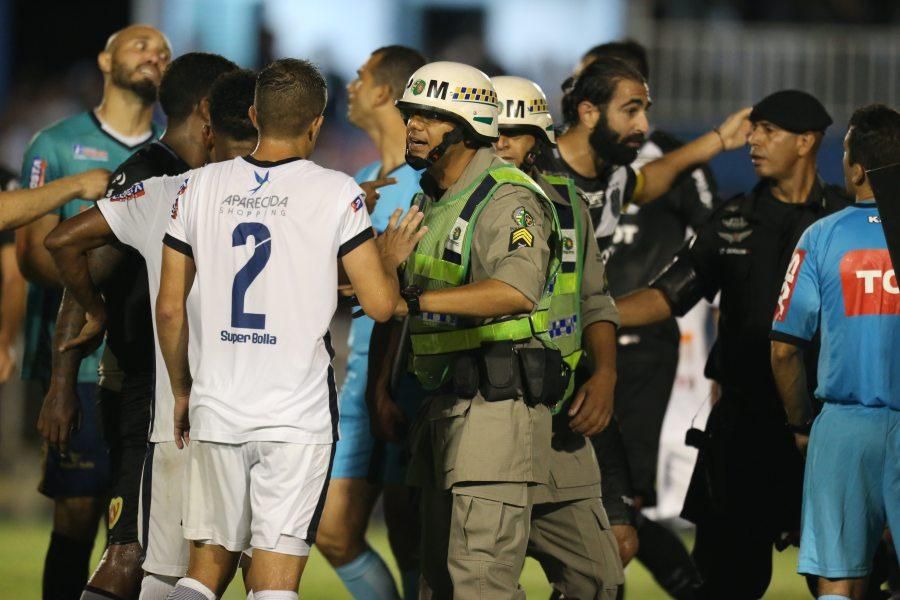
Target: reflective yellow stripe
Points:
(566, 283)
(467, 339)
(437, 269)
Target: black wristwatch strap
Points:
(411, 295)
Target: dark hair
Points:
(395, 66)
(596, 84)
(229, 101)
(290, 94)
(628, 50)
(187, 81)
(874, 137)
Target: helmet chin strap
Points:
(451, 137)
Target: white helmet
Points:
(523, 104)
(458, 91)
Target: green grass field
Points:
(22, 547)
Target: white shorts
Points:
(159, 526)
(266, 495)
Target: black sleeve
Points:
(689, 276)
(697, 196)
(615, 478)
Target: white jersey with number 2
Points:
(266, 238)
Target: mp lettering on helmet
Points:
(515, 109)
(790, 281)
(869, 283)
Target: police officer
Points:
(745, 491)
(583, 316)
(479, 336)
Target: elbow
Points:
(168, 313)
(55, 241)
(783, 352)
(381, 313)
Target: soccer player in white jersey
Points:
(218, 129)
(262, 235)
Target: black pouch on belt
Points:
(464, 377)
(546, 375)
(499, 372)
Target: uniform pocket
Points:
(446, 420)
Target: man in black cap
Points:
(745, 492)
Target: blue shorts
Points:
(358, 454)
(84, 470)
(851, 489)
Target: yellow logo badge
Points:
(520, 238)
(115, 510)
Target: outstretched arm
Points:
(20, 207)
(660, 174)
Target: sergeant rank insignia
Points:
(520, 238)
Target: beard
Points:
(145, 89)
(611, 147)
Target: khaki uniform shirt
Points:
(574, 472)
(458, 440)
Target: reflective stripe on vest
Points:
(443, 261)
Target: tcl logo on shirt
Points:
(790, 281)
(869, 283)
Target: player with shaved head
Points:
(77, 462)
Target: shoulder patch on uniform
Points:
(520, 238)
(132, 193)
(522, 217)
(38, 172)
(358, 202)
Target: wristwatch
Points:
(411, 295)
(803, 429)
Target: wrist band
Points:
(721, 139)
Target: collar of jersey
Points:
(270, 163)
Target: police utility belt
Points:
(506, 371)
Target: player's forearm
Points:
(643, 307)
(660, 174)
(19, 207)
(12, 297)
(69, 322)
(790, 380)
(599, 340)
(72, 264)
(36, 263)
(484, 299)
(172, 327)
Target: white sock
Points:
(191, 589)
(157, 587)
(274, 595)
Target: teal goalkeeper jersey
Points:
(71, 146)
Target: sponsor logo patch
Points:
(261, 180)
(869, 283)
(38, 172)
(81, 152)
(787, 288)
(132, 193)
(358, 203)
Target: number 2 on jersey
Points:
(261, 251)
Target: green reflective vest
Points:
(441, 260)
(565, 300)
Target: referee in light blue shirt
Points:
(841, 284)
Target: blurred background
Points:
(707, 58)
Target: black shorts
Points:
(84, 470)
(126, 420)
(646, 373)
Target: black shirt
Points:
(743, 251)
(129, 332)
(648, 236)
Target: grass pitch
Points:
(23, 545)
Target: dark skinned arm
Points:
(60, 407)
(386, 419)
(69, 244)
(643, 307)
(790, 379)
